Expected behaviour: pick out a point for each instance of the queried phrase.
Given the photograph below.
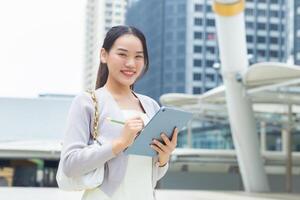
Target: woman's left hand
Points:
(165, 150)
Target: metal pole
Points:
(289, 159)
(189, 134)
(263, 136)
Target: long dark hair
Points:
(111, 36)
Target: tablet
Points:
(165, 120)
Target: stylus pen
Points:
(115, 121)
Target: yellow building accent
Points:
(7, 173)
(229, 9)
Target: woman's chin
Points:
(127, 82)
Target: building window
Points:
(180, 77)
(108, 5)
(207, 89)
(197, 49)
(261, 53)
(180, 89)
(209, 63)
(169, 35)
(249, 38)
(261, 13)
(249, 25)
(210, 36)
(274, 1)
(198, 21)
(208, 8)
(197, 63)
(210, 22)
(197, 77)
(197, 35)
(168, 76)
(109, 13)
(170, 8)
(170, 22)
(180, 63)
(249, 12)
(274, 54)
(181, 8)
(167, 89)
(180, 35)
(274, 13)
(181, 21)
(181, 49)
(209, 77)
(273, 27)
(169, 49)
(274, 40)
(196, 90)
(211, 50)
(282, 14)
(168, 63)
(261, 39)
(261, 26)
(198, 7)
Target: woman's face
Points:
(125, 60)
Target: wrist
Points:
(162, 162)
(118, 146)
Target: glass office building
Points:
(182, 40)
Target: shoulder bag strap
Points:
(96, 115)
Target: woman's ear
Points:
(103, 55)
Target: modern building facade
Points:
(182, 41)
(296, 32)
(101, 15)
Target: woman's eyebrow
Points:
(122, 49)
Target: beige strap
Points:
(96, 115)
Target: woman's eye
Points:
(122, 54)
(139, 57)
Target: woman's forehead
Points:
(128, 42)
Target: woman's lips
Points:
(128, 73)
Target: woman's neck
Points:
(118, 90)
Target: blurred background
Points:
(49, 52)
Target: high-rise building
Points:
(296, 32)
(182, 40)
(101, 15)
(267, 29)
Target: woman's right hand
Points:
(131, 129)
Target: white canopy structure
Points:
(272, 88)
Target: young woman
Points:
(124, 59)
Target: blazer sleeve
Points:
(157, 172)
(77, 157)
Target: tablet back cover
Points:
(165, 120)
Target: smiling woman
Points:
(128, 47)
(124, 59)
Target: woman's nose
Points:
(130, 62)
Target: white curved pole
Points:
(233, 55)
